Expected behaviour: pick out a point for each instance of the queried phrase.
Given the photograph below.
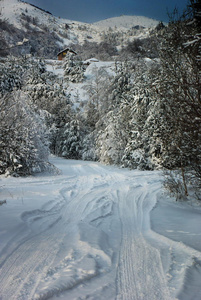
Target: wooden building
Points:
(62, 54)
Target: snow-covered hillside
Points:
(20, 13)
(16, 12)
(127, 22)
(96, 232)
(12, 9)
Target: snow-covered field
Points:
(96, 232)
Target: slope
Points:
(85, 234)
(127, 22)
(39, 27)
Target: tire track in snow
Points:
(140, 275)
(65, 277)
(27, 258)
(22, 270)
(91, 240)
(25, 264)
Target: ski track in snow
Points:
(86, 234)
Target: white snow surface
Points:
(96, 232)
(127, 22)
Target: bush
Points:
(173, 183)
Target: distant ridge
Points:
(37, 7)
(127, 22)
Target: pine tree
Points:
(73, 69)
(71, 140)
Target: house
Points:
(62, 54)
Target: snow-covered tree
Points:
(177, 86)
(111, 139)
(137, 110)
(17, 72)
(88, 150)
(73, 68)
(98, 92)
(71, 140)
(11, 74)
(23, 144)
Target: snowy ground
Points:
(78, 91)
(96, 232)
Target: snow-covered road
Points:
(96, 232)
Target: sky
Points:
(95, 10)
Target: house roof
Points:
(67, 50)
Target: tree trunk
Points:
(184, 181)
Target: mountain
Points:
(13, 9)
(127, 22)
(47, 34)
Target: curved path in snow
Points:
(86, 234)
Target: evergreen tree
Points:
(88, 150)
(139, 109)
(73, 69)
(71, 140)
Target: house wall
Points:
(60, 57)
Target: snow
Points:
(96, 232)
(126, 22)
(55, 66)
(78, 32)
(108, 66)
(12, 9)
(78, 91)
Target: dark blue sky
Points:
(95, 10)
